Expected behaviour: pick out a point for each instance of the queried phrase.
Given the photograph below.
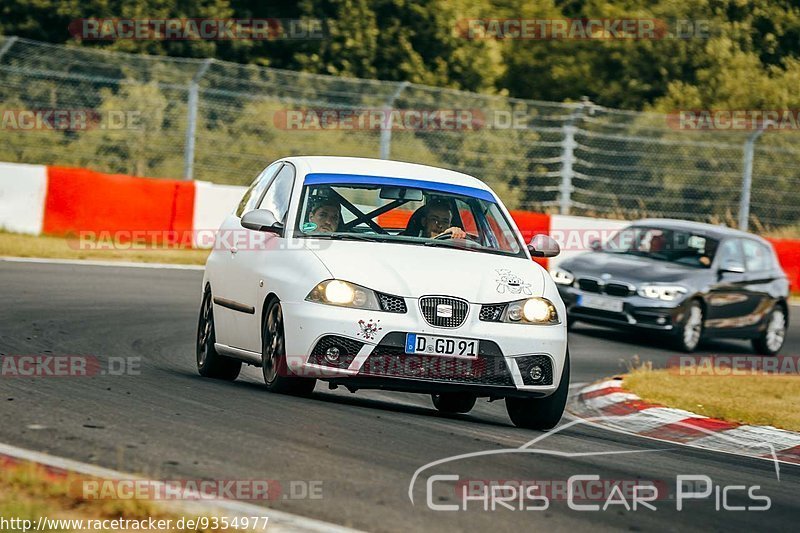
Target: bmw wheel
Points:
(691, 331)
(277, 375)
(771, 340)
(210, 364)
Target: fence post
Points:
(568, 146)
(386, 125)
(191, 120)
(747, 175)
(7, 46)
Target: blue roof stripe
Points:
(359, 179)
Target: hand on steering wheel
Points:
(452, 233)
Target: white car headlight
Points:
(662, 292)
(562, 277)
(343, 294)
(532, 311)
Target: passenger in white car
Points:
(326, 214)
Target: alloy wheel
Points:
(274, 347)
(776, 330)
(693, 327)
(204, 330)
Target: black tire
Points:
(771, 340)
(210, 364)
(453, 402)
(570, 322)
(277, 376)
(541, 413)
(689, 334)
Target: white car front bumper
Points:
(377, 337)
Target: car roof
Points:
(712, 230)
(385, 168)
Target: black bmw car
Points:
(687, 279)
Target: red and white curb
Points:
(278, 521)
(607, 404)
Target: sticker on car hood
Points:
(508, 282)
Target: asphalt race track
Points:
(168, 422)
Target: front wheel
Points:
(277, 376)
(771, 340)
(691, 331)
(210, 364)
(453, 402)
(541, 413)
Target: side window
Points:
(499, 227)
(730, 251)
(278, 194)
(256, 189)
(467, 219)
(756, 256)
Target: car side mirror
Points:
(731, 265)
(262, 220)
(543, 246)
(595, 245)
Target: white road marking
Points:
(88, 262)
(279, 521)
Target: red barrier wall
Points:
(83, 200)
(788, 251)
(530, 224)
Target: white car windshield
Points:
(413, 212)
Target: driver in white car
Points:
(438, 217)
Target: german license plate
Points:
(448, 346)
(600, 302)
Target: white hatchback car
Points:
(375, 274)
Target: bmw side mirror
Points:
(262, 220)
(543, 246)
(594, 245)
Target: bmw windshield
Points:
(672, 245)
(378, 209)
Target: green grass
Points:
(762, 400)
(28, 492)
(17, 245)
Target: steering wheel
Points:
(449, 236)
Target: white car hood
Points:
(414, 271)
